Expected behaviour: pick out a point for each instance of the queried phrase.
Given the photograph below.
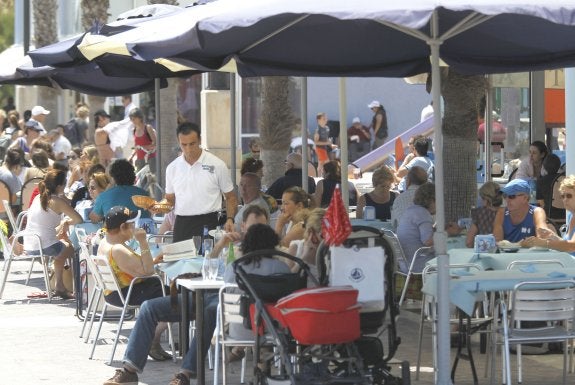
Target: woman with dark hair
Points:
(258, 237)
(482, 218)
(122, 172)
(255, 166)
(532, 167)
(331, 178)
(10, 170)
(45, 219)
(145, 141)
(40, 165)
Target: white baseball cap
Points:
(39, 110)
(356, 120)
(373, 104)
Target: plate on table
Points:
(509, 249)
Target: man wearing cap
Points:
(378, 123)
(359, 137)
(195, 183)
(161, 309)
(39, 115)
(32, 131)
(519, 219)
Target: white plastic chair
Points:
(10, 255)
(534, 301)
(228, 314)
(97, 291)
(109, 282)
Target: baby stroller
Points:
(312, 331)
(366, 261)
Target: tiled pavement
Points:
(40, 345)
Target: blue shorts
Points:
(50, 251)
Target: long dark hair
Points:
(259, 237)
(49, 185)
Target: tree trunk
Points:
(45, 33)
(94, 11)
(276, 125)
(462, 95)
(168, 145)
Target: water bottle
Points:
(205, 235)
(218, 235)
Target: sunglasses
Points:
(566, 196)
(513, 196)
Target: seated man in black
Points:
(292, 177)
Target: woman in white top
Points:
(49, 217)
(295, 209)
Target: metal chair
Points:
(391, 237)
(109, 282)
(26, 192)
(229, 314)
(515, 265)
(467, 325)
(97, 291)
(15, 222)
(549, 301)
(11, 254)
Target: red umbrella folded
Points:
(336, 226)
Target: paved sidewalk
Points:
(40, 345)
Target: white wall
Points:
(403, 102)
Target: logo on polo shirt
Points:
(208, 168)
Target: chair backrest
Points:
(81, 235)
(5, 194)
(27, 190)
(107, 276)
(535, 301)
(395, 246)
(9, 214)
(514, 265)
(85, 253)
(554, 201)
(229, 306)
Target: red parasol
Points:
(336, 226)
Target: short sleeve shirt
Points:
(198, 187)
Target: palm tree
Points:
(462, 96)
(276, 125)
(45, 33)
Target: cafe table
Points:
(198, 286)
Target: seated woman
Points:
(45, 220)
(306, 248)
(415, 228)
(83, 193)
(9, 171)
(482, 218)
(519, 219)
(122, 172)
(295, 207)
(532, 166)
(546, 237)
(331, 178)
(381, 197)
(40, 165)
(127, 264)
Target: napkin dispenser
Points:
(485, 243)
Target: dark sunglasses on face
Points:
(566, 196)
(513, 196)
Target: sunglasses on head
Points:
(566, 196)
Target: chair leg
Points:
(117, 338)
(7, 264)
(243, 371)
(45, 264)
(93, 316)
(98, 331)
(404, 290)
(88, 310)
(420, 339)
(171, 342)
(30, 271)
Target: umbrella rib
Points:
(409, 31)
(468, 22)
(288, 25)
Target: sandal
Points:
(157, 353)
(236, 354)
(38, 294)
(63, 294)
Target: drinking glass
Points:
(197, 243)
(208, 246)
(210, 268)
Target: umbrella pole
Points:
(442, 376)
(343, 141)
(304, 136)
(158, 131)
(233, 164)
